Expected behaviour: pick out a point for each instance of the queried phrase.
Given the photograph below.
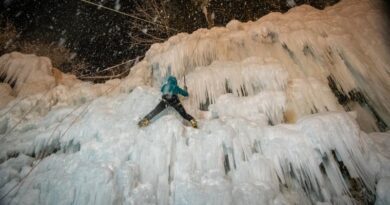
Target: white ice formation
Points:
(28, 73)
(347, 43)
(271, 130)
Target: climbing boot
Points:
(143, 123)
(194, 123)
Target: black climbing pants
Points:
(172, 101)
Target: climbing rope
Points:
(192, 54)
(134, 61)
(126, 14)
(25, 114)
(14, 105)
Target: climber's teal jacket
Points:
(170, 87)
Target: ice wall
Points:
(96, 154)
(275, 133)
(346, 43)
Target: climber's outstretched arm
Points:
(182, 92)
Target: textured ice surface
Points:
(383, 188)
(264, 107)
(273, 134)
(104, 158)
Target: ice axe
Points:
(185, 83)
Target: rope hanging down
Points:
(126, 14)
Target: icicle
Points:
(344, 138)
(266, 106)
(245, 78)
(30, 74)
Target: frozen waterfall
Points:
(289, 107)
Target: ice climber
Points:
(169, 90)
